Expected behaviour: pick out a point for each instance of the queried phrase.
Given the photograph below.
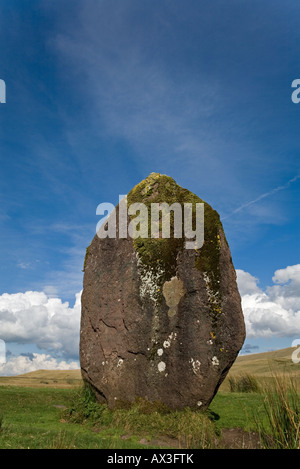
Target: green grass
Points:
(151, 420)
(41, 418)
(29, 417)
(237, 410)
(31, 420)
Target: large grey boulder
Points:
(160, 321)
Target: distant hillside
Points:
(260, 365)
(267, 362)
(45, 378)
(264, 365)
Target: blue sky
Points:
(100, 94)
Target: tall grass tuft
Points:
(62, 441)
(281, 427)
(243, 383)
(191, 429)
(188, 428)
(85, 407)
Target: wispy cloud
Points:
(262, 196)
(139, 93)
(66, 278)
(177, 108)
(140, 100)
(24, 265)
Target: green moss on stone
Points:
(85, 257)
(160, 254)
(153, 352)
(158, 188)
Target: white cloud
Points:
(246, 282)
(276, 311)
(292, 272)
(35, 318)
(39, 361)
(286, 290)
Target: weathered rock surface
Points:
(160, 321)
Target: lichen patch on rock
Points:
(173, 291)
(161, 367)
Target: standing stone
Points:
(160, 321)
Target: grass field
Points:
(35, 418)
(51, 409)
